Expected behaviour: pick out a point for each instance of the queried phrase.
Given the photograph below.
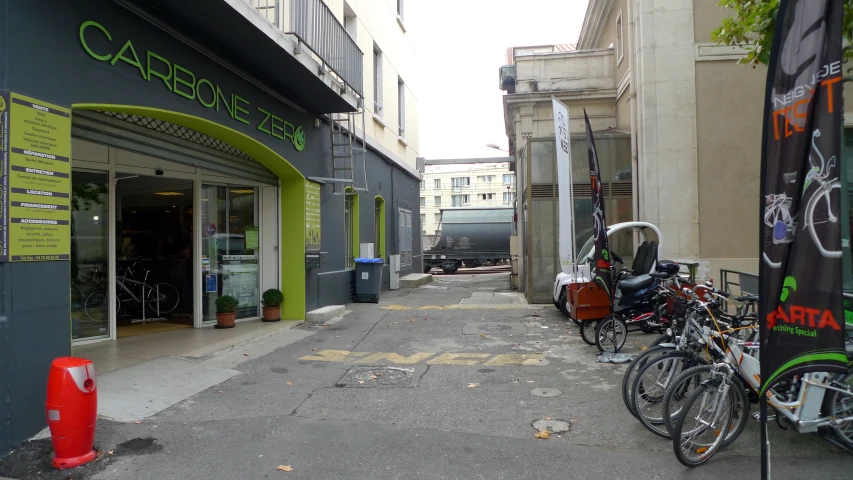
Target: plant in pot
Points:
(226, 311)
(272, 300)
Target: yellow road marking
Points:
(515, 359)
(466, 358)
(328, 356)
(394, 358)
(451, 359)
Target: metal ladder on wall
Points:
(347, 149)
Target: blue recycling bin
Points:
(368, 279)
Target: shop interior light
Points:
(249, 190)
(169, 194)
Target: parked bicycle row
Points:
(697, 381)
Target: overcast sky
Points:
(460, 46)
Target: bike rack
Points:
(143, 320)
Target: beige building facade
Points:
(463, 185)
(648, 70)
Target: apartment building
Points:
(676, 119)
(225, 147)
(462, 185)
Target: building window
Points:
(437, 200)
(423, 220)
(404, 236)
(437, 184)
(423, 201)
(488, 196)
(423, 184)
(458, 182)
(350, 22)
(460, 200)
(401, 108)
(620, 38)
(508, 179)
(486, 178)
(377, 81)
(438, 218)
(509, 197)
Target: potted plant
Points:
(226, 311)
(272, 300)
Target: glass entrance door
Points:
(230, 248)
(90, 316)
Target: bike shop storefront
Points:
(164, 221)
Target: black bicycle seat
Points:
(636, 283)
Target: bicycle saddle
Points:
(636, 283)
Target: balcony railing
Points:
(314, 24)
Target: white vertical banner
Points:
(564, 181)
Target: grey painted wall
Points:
(53, 66)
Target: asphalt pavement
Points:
(440, 382)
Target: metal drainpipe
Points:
(632, 99)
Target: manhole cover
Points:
(546, 392)
(365, 376)
(615, 358)
(553, 426)
(494, 327)
(482, 328)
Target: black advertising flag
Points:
(800, 311)
(599, 226)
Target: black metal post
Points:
(765, 442)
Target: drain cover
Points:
(553, 426)
(365, 376)
(480, 328)
(615, 358)
(494, 327)
(546, 392)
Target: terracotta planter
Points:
(226, 320)
(272, 314)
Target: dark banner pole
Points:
(601, 258)
(800, 268)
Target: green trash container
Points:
(368, 279)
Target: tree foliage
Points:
(751, 27)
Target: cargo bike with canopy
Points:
(645, 288)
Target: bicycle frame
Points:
(804, 412)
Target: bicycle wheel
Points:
(824, 223)
(634, 367)
(588, 331)
(840, 405)
(681, 387)
(706, 421)
(648, 392)
(96, 306)
(610, 334)
(562, 304)
(166, 294)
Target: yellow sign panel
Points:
(35, 152)
(312, 216)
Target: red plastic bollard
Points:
(72, 408)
